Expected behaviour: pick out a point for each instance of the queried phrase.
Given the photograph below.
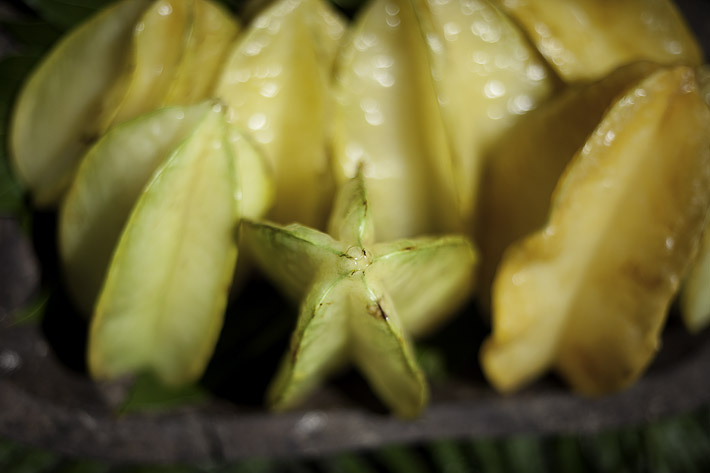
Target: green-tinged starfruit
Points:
(55, 116)
(112, 176)
(588, 294)
(587, 39)
(276, 84)
(487, 75)
(161, 307)
(360, 300)
(521, 174)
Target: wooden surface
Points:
(45, 403)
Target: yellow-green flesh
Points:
(108, 183)
(162, 305)
(55, 117)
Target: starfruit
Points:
(127, 60)
(55, 117)
(360, 300)
(587, 39)
(161, 307)
(210, 41)
(695, 296)
(178, 48)
(486, 75)
(588, 294)
(107, 185)
(387, 124)
(113, 175)
(275, 84)
(521, 174)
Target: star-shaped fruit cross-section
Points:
(360, 300)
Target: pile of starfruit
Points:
(554, 152)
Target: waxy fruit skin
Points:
(588, 294)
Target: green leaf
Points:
(33, 312)
(149, 393)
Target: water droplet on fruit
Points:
(262, 22)
(518, 279)
(393, 21)
(670, 243)
(451, 31)
(520, 104)
(536, 72)
(384, 78)
(253, 48)
(165, 9)
(270, 89)
(494, 89)
(257, 121)
(363, 42)
(673, 47)
(391, 9)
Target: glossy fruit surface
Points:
(588, 294)
(358, 299)
(524, 169)
(275, 84)
(587, 39)
(161, 307)
(56, 115)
